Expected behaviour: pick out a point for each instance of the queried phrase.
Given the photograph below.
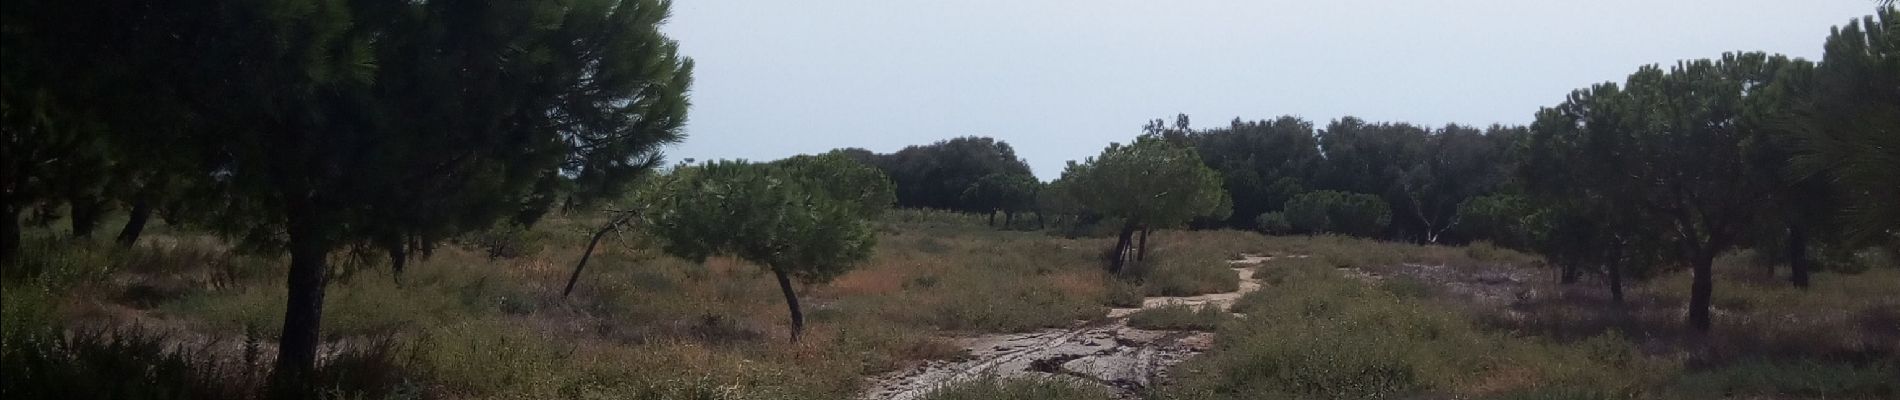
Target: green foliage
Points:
(1179, 318)
(1504, 218)
(1262, 163)
(843, 180)
(1849, 130)
(1328, 211)
(938, 175)
(1008, 193)
(1149, 183)
(805, 219)
(781, 218)
(1316, 334)
(1172, 272)
(1274, 223)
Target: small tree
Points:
(1007, 193)
(1148, 184)
(800, 219)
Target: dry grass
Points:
(1466, 322)
(488, 323)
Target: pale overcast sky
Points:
(1059, 79)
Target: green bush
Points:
(1122, 293)
(1178, 317)
(1347, 213)
(1316, 334)
(1274, 223)
(1180, 273)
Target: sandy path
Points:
(1105, 352)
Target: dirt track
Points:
(1105, 352)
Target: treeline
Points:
(1797, 160)
(969, 174)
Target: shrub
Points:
(1122, 293)
(1274, 223)
(1347, 213)
(1178, 317)
(1319, 335)
(1176, 273)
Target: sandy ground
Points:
(1106, 352)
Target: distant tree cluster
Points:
(1797, 160)
(969, 174)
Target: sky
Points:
(1060, 79)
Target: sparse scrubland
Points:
(462, 324)
(471, 200)
(1353, 318)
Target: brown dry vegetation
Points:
(484, 318)
(1355, 319)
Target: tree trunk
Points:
(992, 218)
(9, 234)
(1121, 250)
(1700, 292)
(135, 223)
(1570, 273)
(303, 312)
(791, 302)
(1798, 257)
(85, 217)
(589, 253)
(398, 259)
(1616, 279)
(1040, 223)
(1142, 253)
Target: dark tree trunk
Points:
(791, 302)
(1616, 278)
(1119, 255)
(398, 259)
(1798, 257)
(1040, 224)
(1141, 254)
(303, 312)
(135, 223)
(1701, 291)
(1570, 273)
(585, 254)
(992, 217)
(9, 234)
(85, 217)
